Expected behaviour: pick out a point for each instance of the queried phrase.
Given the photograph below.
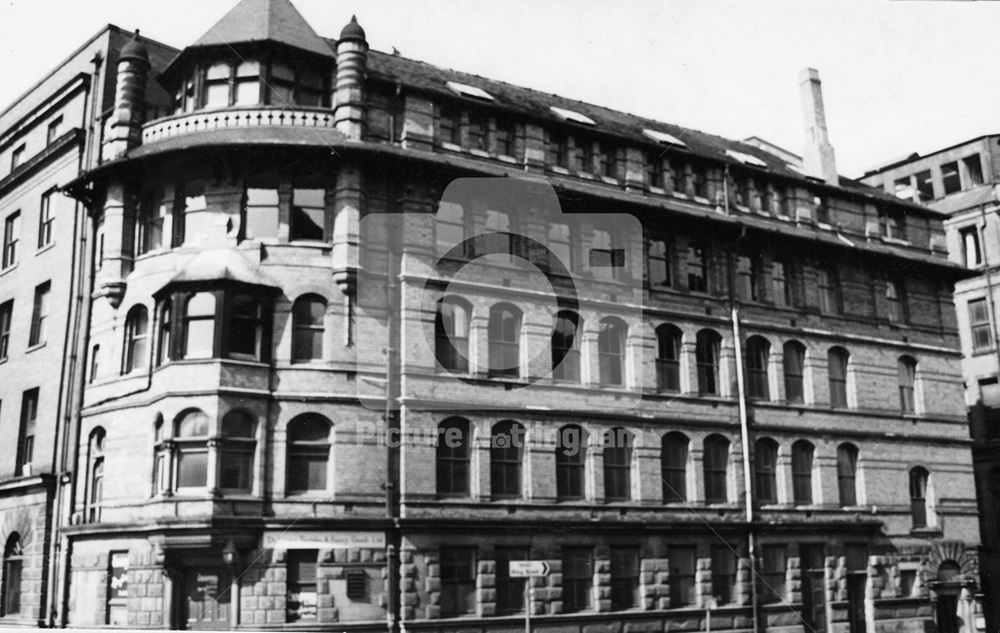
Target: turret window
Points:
(238, 83)
(210, 324)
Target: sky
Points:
(898, 76)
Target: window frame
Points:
(675, 452)
(758, 360)
(793, 368)
(612, 352)
(305, 452)
(452, 460)
(669, 339)
(11, 239)
(27, 430)
(618, 449)
(578, 578)
(309, 328)
(40, 314)
(803, 460)
(839, 358)
(458, 567)
(507, 444)
(504, 346)
(715, 468)
(847, 475)
(46, 219)
(765, 466)
(566, 347)
(571, 464)
(708, 344)
(6, 321)
(979, 324)
(137, 337)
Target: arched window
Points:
(566, 347)
(163, 351)
(571, 462)
(13, 563)
(668, 358)
(191, 440)
(199, 326)
(611, 338)
(451, 335)
(452, 460)
(96, 483)
(794, 366)
(706, 353)
(907, 367)
(919, 478)
(136, 339)
(245, 327)
(847, 474)
(505, 336)
(837, 363)
(716, 469)
(766, 470)
(802, 472)
(506, 454)
(673, 466)
(308, 313)
(617, 465)
(308, 446)
(758, 353)
(236, 451)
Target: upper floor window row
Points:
(240, 82)
(169, 214)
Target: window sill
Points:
(8, 269)
(926, 532)
(451, 147)
(504, 158)
(36, 346)
(45, 247)
(656, 190)
(556, 169)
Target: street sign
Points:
(528, 568)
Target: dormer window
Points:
(572, 116)
(466, 90)
(663, 137)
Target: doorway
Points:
(206, 599)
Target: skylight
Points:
(466, 90)
(575, 117)
(663, 137)
(746, 159)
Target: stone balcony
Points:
(257, 117)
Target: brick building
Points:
(46, 138)
(959, 182)
(336, 377)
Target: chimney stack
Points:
(818, 157)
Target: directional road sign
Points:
(528, 568)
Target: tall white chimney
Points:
(818, 158)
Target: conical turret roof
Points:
(260, 20)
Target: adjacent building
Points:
(959, 182)
(356, 331)
(46, 138)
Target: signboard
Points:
(300, 539)
(528, 568)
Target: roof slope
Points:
(259, 20)
(537, 104)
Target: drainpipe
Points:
(747, 466)
(393, 438)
